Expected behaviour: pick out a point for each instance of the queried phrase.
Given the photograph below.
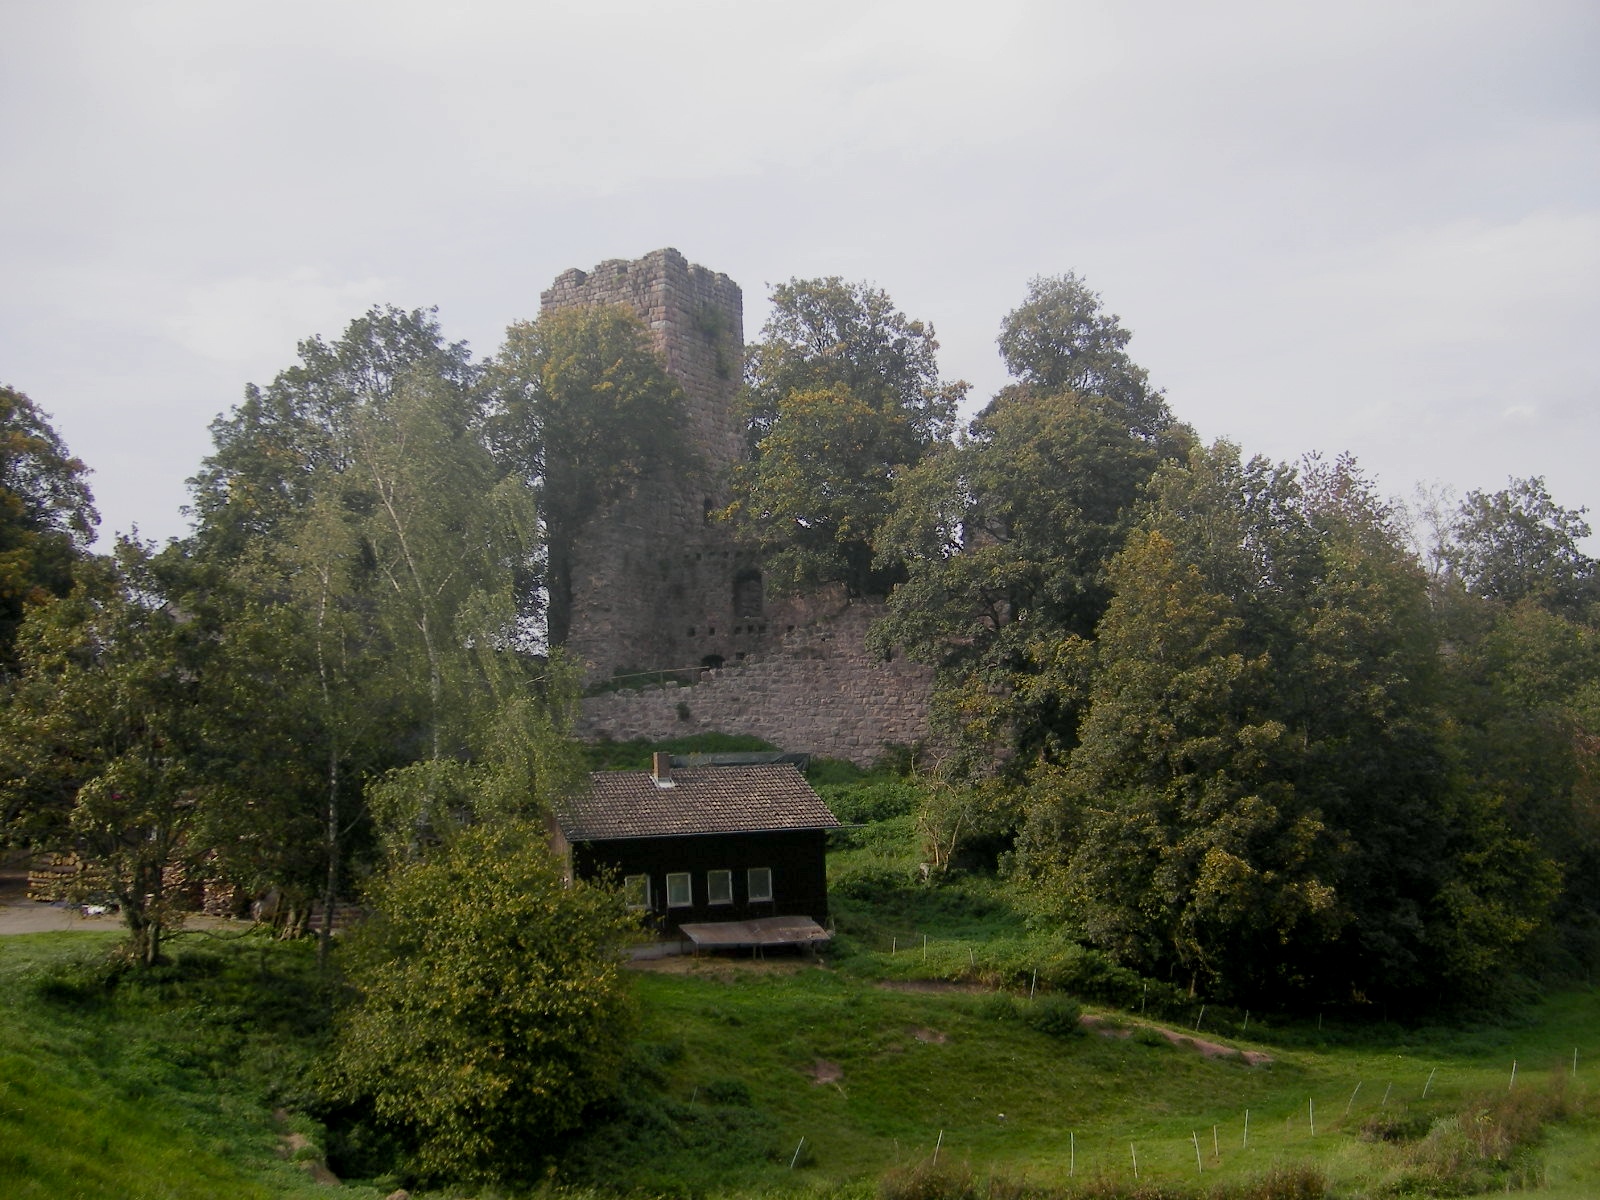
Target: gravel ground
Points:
(18, 914)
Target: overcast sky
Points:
(1361, 226)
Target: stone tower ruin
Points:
(658, 583)
(669, 608)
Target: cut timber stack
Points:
(51, 876)
(345, 916)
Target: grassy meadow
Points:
(936, 1051)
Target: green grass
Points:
(163, 1087)
(971, 1075)
(635, 755)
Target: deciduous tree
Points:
(269, 449)
(583, 409)
(843, 396)
(47, 517)
(1263, 797)
(1006, 538)
(1061, 339)
(1518, 542)
(488, 1009)
(103, 739)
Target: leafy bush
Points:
(871, 799)
(1055, 1015)
(1057, 962)
(928, 1180)
(1484, 1144)
(998, 1006)
(728, 1091)
(488, 1010)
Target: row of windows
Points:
(680, 888)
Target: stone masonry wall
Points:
(821, 693)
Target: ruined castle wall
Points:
(821, 692)
(657, 583)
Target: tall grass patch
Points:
(118, 1082)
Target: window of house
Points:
(636, 891)
(719, 887)
(759, 881)
(680, 893)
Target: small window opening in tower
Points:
(748, 594)
(712, 661)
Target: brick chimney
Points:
(661, 769)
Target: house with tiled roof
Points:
(738, 847)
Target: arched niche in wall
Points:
(749, 594)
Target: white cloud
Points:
(1362, 225)
(1472, 281)
(252, 319)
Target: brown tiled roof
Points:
(701, 800)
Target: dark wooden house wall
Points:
(797, 860)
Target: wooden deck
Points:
(759, 934)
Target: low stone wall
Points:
(822, 693)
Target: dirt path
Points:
(1099, 1025)
(18, 914)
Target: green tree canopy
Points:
(356, 508)
(1263, 796)
(826, 332)
(488, 1010)
(1060, 339)
(843, 395)
(47, 516)
(268, 450)
(1006, 538)
(584, 409)
(104, 738)
(1518, 543)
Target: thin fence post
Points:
(1034, 983)
(1134, 1154)
(796, 1157)
(1245, 1145)
(1352, 1103)
(1195, 1138)
(1072, 1152)
(1246, 1028)
(924, 947)
(1216, 1145)
(1429, 1084)
(1386, 1092)
(936, 1147)
(1513, 1082)
(1311, 1115)
(1200, 1018)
